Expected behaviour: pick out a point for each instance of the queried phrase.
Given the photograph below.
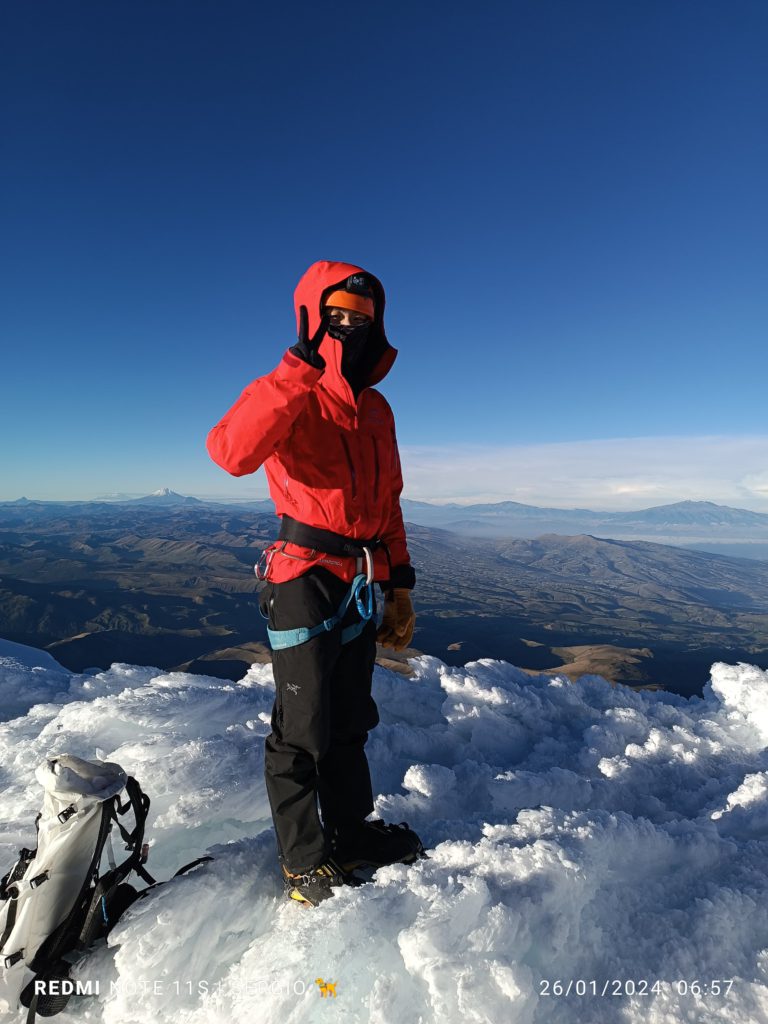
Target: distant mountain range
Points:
(681, 513)
(163, 496)
(694, 524)
(699, 525)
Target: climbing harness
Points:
(361, 592)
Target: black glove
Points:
(306, 348)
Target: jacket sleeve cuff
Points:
(401, 576)
(292, 368)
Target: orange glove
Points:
(396, 629)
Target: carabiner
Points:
(368, 566)
(265, 560)
(364, 604)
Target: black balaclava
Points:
(363, 346)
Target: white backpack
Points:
(55, 900)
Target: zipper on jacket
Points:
(351, 465)
(288, 496)
(375, 471)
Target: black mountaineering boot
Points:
(312, 887)
(374, 844)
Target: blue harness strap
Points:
(282, 638)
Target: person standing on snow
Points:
(327, 441)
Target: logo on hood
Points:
(358, 284)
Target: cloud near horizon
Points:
(614, 474)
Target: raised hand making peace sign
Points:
(306, 348)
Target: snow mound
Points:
(27, 676)
(595, 853)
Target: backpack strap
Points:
(192, 864)
(134, 840)
(32, 1012)
(96, 913)
(9, 890)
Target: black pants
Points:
(320, 720)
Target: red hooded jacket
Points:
(331, 461)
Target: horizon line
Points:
(130, 497)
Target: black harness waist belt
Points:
(327, 541)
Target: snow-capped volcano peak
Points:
(165, 496)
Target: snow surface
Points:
(576, 831)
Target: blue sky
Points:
(565, 201)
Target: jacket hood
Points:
(320, 280)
